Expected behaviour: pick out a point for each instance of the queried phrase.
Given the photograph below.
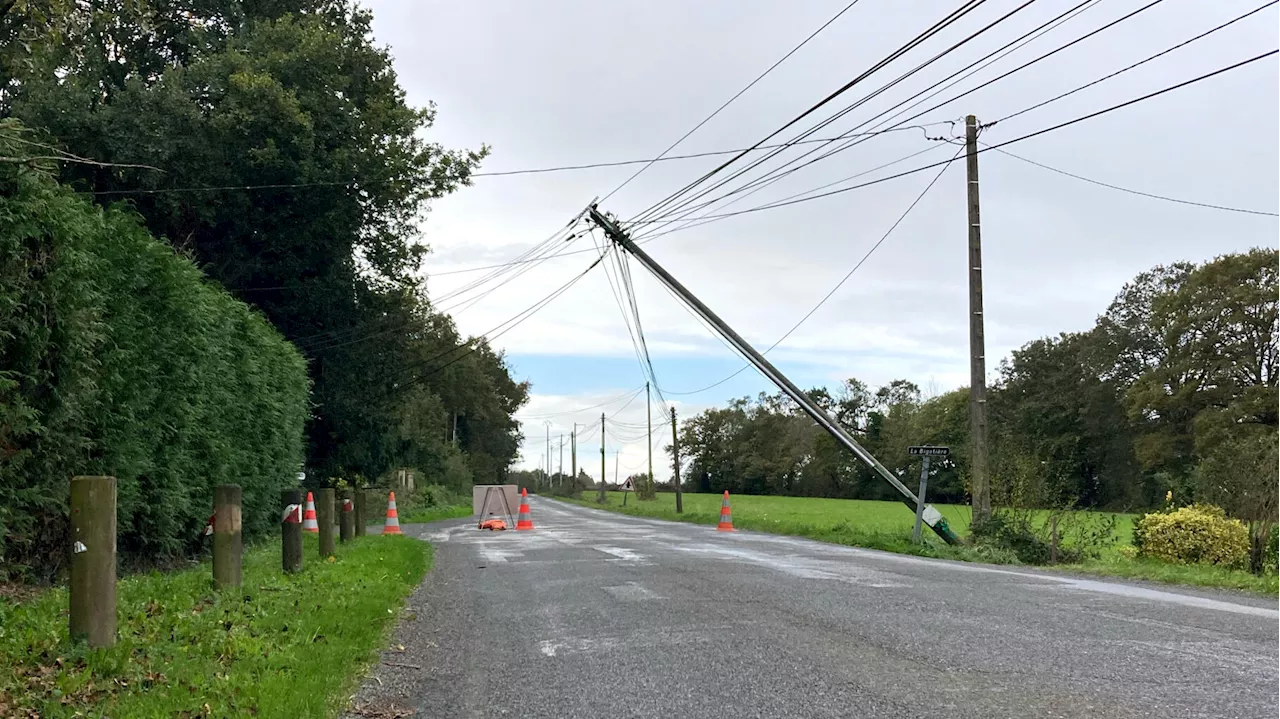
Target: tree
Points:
(1053, 406)
(1238, 472)
(293, 171)
(1217, 331)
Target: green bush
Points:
(1196, 534)
(120, 359)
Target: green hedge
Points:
(117, 357)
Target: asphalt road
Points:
(594, 614)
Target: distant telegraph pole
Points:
(573, 455)
(602, 475)
(978, 468)
(648, 406)
(675, 462)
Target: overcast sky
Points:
(574, 82)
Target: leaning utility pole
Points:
(603, 499)
(932, 516)
(648, 408)
(675, 462)
(980, 477)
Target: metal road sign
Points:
(927, 451)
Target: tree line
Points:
(1171, 395)
(270, 143)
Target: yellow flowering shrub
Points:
(1197, 534)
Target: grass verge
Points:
(283, 646)
(432, 514)
(887, 526)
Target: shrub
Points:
(1196, 534)
(120, 359)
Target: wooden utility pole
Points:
(228, 546)
(291, 530)
(602, 499)
(573, 456)
(93, 560)
(978, 467)
(648, 409)
(561, 459)
(675, 462)
(324, 517)
(347, 527)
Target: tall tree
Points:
(292, 169)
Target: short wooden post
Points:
(227, 543)
(362, 515)
(93, 560)
(1053, 540)
(347, 527)
(291, 530)
(324, 517)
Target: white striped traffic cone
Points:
(392, 525)
(309, 523)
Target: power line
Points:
(773, 176)
(624, 395)
(1166, 51)
(1134, 192)
(1028, 136)
(955, 15)
(844, 279)
(476, 342)
(847, 109)
(730, 100)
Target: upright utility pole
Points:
(547, 467)
(978, 468)
(561, 458)
(603, 499)
(648, 408)
(573, 454)
(675, 462)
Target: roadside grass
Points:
(887, 526)
(773, 513)
(283, 646)
(432, 514)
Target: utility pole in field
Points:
(562, 459)
(547, 467)
(648, 408)
(602, 499)
(573, 455)
(978, 468)
(675, 462)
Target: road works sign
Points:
(927, 451)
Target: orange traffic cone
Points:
(309, 523)
(726, 516)
(392, 525)
(524, 521)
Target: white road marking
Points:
(621, 553)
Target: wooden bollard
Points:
(324, 517)
(93, 560)
(347, 525)
(361, 516)
(291, 530)
(227, 543)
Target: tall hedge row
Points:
(117, 357)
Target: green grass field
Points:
(431, 514)
(769, 513)
(284, 646)
(887, 526)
